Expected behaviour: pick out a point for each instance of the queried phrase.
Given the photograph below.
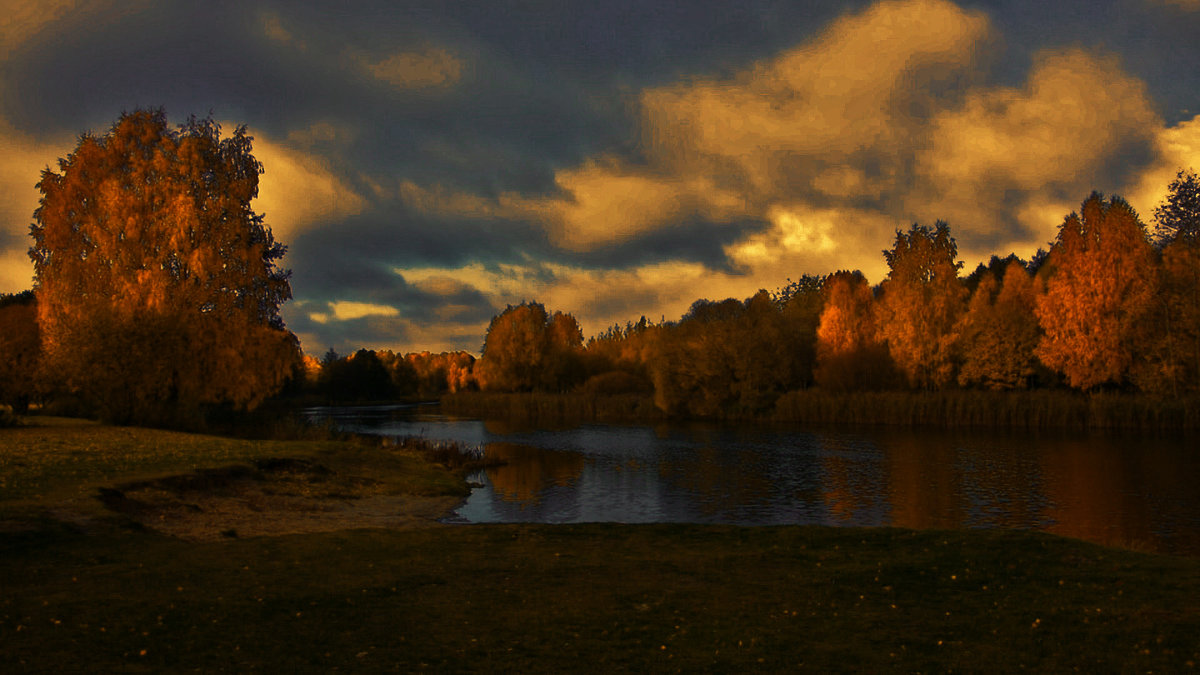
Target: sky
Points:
(430, 163)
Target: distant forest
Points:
(1110, 307)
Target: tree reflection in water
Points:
(1129, 492)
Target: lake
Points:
(1132, 492)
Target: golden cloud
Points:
(1073, 116)
(829, 119)
(23, 20)
(344, 310)
(16, 271)
(1178, 148)
(431, 68)
(22, 160)
(298, 190)
(608, 204)
(824, 104)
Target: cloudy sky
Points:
(429, 163)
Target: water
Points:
(1128, 492)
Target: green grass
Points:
(549, 599)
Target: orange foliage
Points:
(1000, 332)
(922, 299)
(849, 354)
(1100, 287)
(157, 284)
(527, 349)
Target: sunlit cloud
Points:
(275, 31)
(883, 119)
(429, 68)
(1077, 115)
(22, 160)
(1178, 148)
(16, 272)
(609, 204)
(840, 107)
(23, 20)
(346, 310)
(299, 190)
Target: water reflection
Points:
(1140, 493)
(523, 473)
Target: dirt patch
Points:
(273, 497)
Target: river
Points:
(1131, 492)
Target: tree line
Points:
(374, 376)
(1111, 306)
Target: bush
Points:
(616, 382)
(7, 417)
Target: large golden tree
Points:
(1100, 288)
(158, 290)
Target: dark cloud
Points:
(394, 237)
(1153, 38)
(345, 337)
(688, 240)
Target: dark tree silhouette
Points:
(1178, 216)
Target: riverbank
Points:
(1029, 411)
(194, 486)
(102, 590)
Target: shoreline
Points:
(958, 409)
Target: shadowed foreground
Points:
(102, 593)
(600, 598)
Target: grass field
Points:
(114, 596)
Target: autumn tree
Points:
(1100, 283)
(440, 373)
(1173, 339)
(20, 350)
(850, 355)
(158, 288)
(801, 303)
(922, 299)
(1178, 216)
(999, 332)
(526, 349)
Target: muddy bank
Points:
(272, 497)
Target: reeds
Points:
(1064, 410)
(1026, 410)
